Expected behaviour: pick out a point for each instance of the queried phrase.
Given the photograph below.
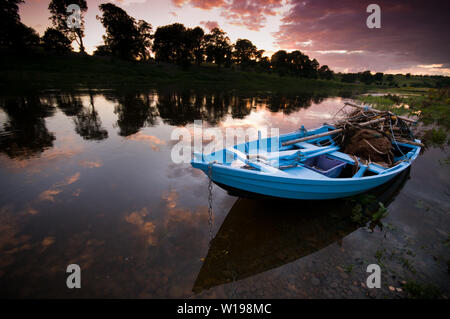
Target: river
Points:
(87, 178)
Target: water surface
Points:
(87, 178)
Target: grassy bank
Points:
(432, 106)
(49, 72)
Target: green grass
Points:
(435, 136)
(432, 106)
(42, 71)
(417, 290)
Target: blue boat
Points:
(309, 170)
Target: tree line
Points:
(129, 39)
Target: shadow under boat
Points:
(262, 234)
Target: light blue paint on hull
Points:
(300, 182)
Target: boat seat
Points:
(307, 146)
(259, 165)
(343, 157)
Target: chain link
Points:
(210, 199)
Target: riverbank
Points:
(43, 71)
(431, 106)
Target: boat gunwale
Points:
(236, 171)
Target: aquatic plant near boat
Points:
(380, 213)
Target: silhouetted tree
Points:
(122, 35)
(168, 43)
(262, 62)
(195, 43)
(217, 47)
(390, 78)
(176, 44)
(311, 68)
(280, 62)
(378, 77)
(59, 17)
(9, 18)
(245, 52)
(325, 72)
(349, 77)
(55, 40)
(145, 39)
(298, 63)
(103, 50)
(366, 77)
(14, 34)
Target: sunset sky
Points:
(414, 34)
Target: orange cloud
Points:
(151, 140)
(47, 241)
(35, 165)
(145, 228)
(49, 194)
(90, 164)
(72, 179)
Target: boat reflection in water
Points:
(262, 234)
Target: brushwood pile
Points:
(376, 143)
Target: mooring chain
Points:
(210, 199)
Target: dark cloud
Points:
(412, 32)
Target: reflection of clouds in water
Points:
(47, 241)
(31, 211)
(77, 192)
(83, 250)
(11, 241)
(151, 140)
(69, 180)
(90, 164)
(180, 170)
(145, 228)
(50, 194)
(176, 214)
(49, 158)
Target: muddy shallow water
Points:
(87, 178)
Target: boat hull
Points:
(294, 188)
(298, 181)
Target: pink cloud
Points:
(411, 33)
(210, 24)
(247, 13)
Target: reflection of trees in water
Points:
(69, 104)
(291, 104)
(86, 119)
(183, 108)
(177, 108)
(88, 124)
(137, 109)
(134, 111)
(25, 134)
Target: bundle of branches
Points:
(374, 142)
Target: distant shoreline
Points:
(74, 71)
